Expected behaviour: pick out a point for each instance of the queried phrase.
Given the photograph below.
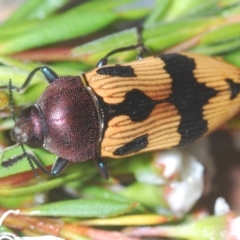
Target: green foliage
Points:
(71, 40)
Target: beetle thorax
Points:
(71, 119)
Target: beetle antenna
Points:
(10, 87)
(11, 99)
(29, 161)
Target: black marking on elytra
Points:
(135, 145)
(117, 71)
(233, 87)
(188, 95)
(136, 105)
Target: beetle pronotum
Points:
(113, 111)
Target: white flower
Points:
(187, 185)
(235, 228)
(221, 207)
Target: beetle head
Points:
(28, 128)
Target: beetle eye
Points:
(26, 112)
(34, 142)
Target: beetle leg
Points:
(102, 167)
(31, 158)
(14, 160)
(11, 161)
(104, 61)
(57, 168)
(139, 46)
(141, 50)
(59, 165)
(48, 73)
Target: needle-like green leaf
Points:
(82, 208)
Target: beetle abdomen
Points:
(163, 101)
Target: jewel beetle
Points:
(114, 111)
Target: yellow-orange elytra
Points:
(210, 81)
